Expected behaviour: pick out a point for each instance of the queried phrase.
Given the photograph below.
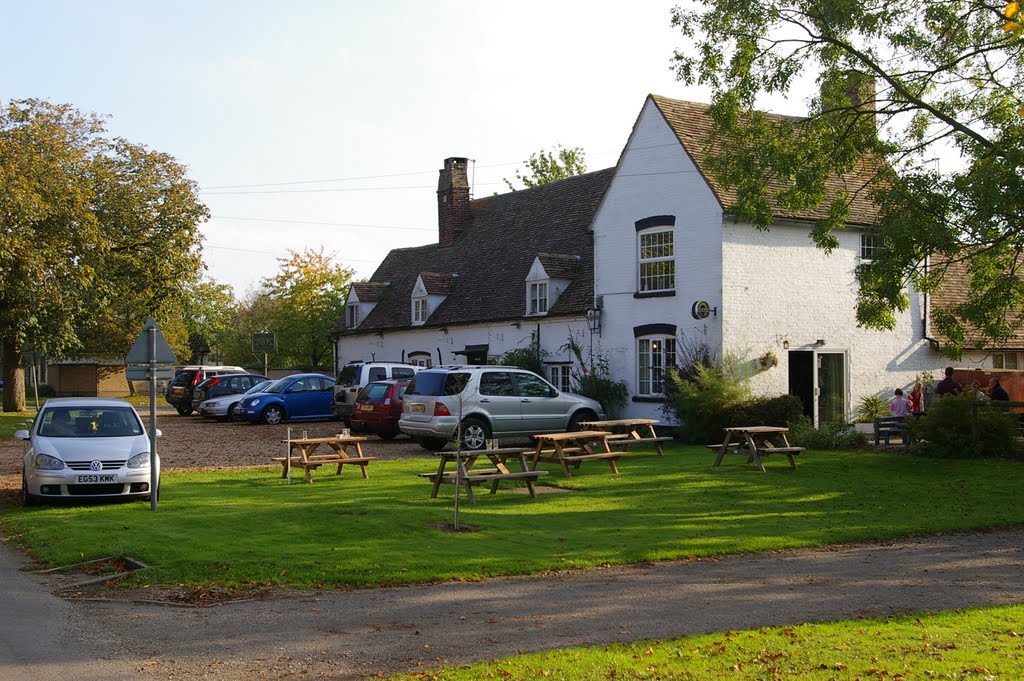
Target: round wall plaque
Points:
(700, 309)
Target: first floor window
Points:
(353, 316)
(868, 246)
(559, 376)
(419, 310)
(656, 354)
(420, 359)
(657, 261)
(539, 298)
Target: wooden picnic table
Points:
(630, 432)
(301, 454)
(474, 476)
(755, 442)
(574, 448)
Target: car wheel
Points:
(582, 415)
(273, 415)
(231, 412)
(475, 434)
(387, 435)
(432, 444)
(26, 498)
(183, 411)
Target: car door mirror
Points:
(159, 433)
(21, 434)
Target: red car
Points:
(378, 407)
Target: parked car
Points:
(299, 396)
(86, 447)
(179, 389)
(378, 408)
(355, 375)
(224, 384)
(488, 401)
(223, 407)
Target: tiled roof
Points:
(370, 291)
(438, 283)
(694, 127)
(560, 266)
(955, 290)
(493, 256)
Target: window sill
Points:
(654, 294)
(651, 399)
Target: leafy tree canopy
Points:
(549, 166)
(308, 296)
(98, 235)
(899, 85)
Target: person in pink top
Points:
(900, 405)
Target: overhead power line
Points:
(324, 224)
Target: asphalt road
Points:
(353, 635)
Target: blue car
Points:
(295, 397)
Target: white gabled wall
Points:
(779, 287)
(655, 176)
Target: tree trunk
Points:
(14, 378)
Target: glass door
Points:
(830, 393)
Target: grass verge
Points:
(249, 527)
(963, 644)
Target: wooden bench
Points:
(610, 457)
(314, 462)
(887, 426)
(628, 442)
(790, 452)
(477, 476)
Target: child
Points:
(900, 405)
(917, 398)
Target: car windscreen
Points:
(349, 375)
(259, 387)
(279, 385)
(436, 384)
(89, 422)
(373, 392)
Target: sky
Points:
(318, 124)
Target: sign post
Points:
(150, 349)
(265, 343)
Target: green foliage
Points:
(872, 407)
(530, 357)
(834, 435)
(880, 119)
(550, 166)
(306, 298)
(780, 410)
(593, 379)
(99, 234)
(701, 404)
(947, 429)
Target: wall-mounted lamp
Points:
(594, 319)
(785, 345)
(819, 342)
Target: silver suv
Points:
(489, 401)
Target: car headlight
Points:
(139, 460)
(48, 463)
(254, 402)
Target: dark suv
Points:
(179, 390)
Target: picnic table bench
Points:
(475, 476)
(630, 432)
(301, 455)
(887, 426)
(574, 448)
(744, 440)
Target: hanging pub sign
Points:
(701, 309)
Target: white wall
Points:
(655, 177)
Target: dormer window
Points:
(419, 310)
(538, 298)
(353, 316)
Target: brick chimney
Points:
(452, 200)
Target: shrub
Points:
(530, 357)
(595, 381)
(780, 410)
(947, 430)
(702, 404)
(835, 435)
(872, 407)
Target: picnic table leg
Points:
(561, 458)
(753, 454)
(460, 473)
(439, 477)
(723, 449)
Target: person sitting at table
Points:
(998, 391)
(900, 405)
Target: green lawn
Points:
(252, 528)
(983, 644)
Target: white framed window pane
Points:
(644, 364)
(1010, 361)
(868, 246)
(657, 261)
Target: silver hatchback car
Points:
(488, 401)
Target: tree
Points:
(899, 85)
(309, 293)
(549, 166)
(90, 224)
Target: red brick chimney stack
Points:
(452, 200)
